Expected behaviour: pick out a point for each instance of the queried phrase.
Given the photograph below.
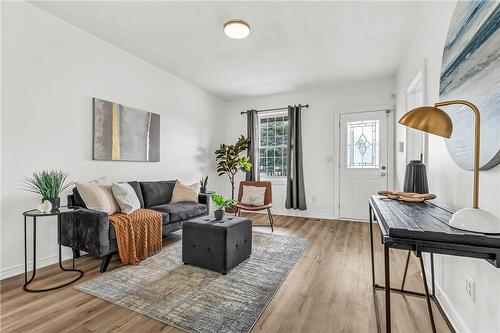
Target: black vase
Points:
(56, 202)
(219, 214)
(416, 178)
(203, 190)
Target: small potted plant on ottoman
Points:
(220, 204)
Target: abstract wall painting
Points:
(471, 71)
(123, 133)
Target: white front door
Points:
(363, 161)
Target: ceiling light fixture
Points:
(236, 29)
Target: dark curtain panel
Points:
(253, 148)
(295, 193)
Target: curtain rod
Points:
(275, 109)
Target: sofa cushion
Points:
(185, 193)
(97, 195)
(126, 197)
(137, 188)
(182, 210)
(157, 193)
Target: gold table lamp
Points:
(433, 120)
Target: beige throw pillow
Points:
(253, 195)
(125, 197)
(97, 195)
(185, 193)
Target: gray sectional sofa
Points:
(90, 231)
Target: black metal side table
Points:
(34, 213)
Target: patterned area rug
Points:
(199, 300)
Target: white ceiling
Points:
(292, 44)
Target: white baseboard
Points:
(299, 213)
(41, 262)
(452, 314)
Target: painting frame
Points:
(124, 133)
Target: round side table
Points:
(34, 213)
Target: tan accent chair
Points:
(268, 200)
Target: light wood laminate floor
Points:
(329, 290)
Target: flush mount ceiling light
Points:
(236, 29)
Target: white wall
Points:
(319, 134)
(50, 72)
(452, 185)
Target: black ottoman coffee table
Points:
(216, 245)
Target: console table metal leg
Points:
(371, 245)
(387, 289)
(429, 306)
(432, 275)
(406, 271)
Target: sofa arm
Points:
(204, 198)
(86, 230)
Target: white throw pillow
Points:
(253, 195)
(185, 193)
(97, 195)
(125, 197)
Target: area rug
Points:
(199, 300)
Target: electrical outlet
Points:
(469, 287)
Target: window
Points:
(363, 144)
(273, 131)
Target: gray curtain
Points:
(253, 148)
(295, 193)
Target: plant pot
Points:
(219, 214)
(56, 202)
(203, 190)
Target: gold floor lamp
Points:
(433, 120)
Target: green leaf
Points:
(48, 183)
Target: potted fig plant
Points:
(49, 184)
(203, 184)
(220, 204)
(229, 161)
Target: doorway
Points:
(364, 160)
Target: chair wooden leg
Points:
(270, 219)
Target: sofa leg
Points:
(76, 253)
(271, 222)
(105, 263)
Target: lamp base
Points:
(476, 220)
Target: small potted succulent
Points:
(220, 204)
(203, 184)
(49, 184)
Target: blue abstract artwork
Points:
(471, 71)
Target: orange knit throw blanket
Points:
(138, 234)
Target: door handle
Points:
(383, 174)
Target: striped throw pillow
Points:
(97, 195)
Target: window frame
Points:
(267, 115)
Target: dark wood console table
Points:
(423, 227)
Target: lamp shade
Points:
(428, 119)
